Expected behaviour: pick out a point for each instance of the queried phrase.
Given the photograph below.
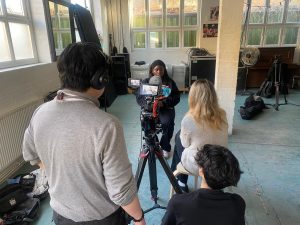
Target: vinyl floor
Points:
(268, 148)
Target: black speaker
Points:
(119, 74)
(109, 95)
(127, 63)
(202, 68)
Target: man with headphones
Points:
(81, 147)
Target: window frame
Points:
(54, 56)
(265, 25)
(181, 28)
(6, 18)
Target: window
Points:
(60, 21)
(16, 34)
(164, 24)
(272, 22)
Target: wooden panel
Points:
(257, 74)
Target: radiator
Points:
(12, 128)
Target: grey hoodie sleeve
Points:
(28, 149)
(117, 170)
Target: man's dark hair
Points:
(220, 167)
(78, 63)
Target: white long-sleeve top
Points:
(193, 136)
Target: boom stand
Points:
(277, 82)
(150, 151)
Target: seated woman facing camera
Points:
(158, 75)
(204, 123)
(210, 205)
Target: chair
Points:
(181, 170)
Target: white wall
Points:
(21, 86)
(208, 43)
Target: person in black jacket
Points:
(166, 106)
(210, 205)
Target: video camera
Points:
(150, 110)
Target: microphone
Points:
(155, 80)
(162, 89)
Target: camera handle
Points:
(155, 105)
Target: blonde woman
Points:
(204, 123)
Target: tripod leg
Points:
(277, 96)
(140, 170)
(169, 173)
(153, 176)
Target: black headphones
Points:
(100, 79)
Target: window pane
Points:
(257, 12)
(155, 39)
(190, 37)
(155, 11)
(139, 14)
(172, 39)
(272, 36)
(4, 53)
(254, 36)
(293, 15)
(173, 12)
(190, 12)
(139, 40)
(275, 12)
(21, 40)
(290, 35)
(61, 26)
(15, 7)
(59, 16)
(66, 39)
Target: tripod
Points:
(150, 151)
(277, 83)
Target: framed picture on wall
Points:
(214, 13)
(210, 30)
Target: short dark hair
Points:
(220, 167)
(78, 63)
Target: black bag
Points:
(26, 180)
(266, 89)
(24, 213)
(253, 105)
(11, 196)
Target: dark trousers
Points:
(166, 118)
(116, 218)
(178, 149)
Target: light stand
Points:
(277, 83)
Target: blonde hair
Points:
(204, 106)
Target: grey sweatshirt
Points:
(193, 136)
(85, 157)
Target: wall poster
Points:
(210, 30)
(214, 13)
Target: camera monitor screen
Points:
(134, 83)
(148, 89)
